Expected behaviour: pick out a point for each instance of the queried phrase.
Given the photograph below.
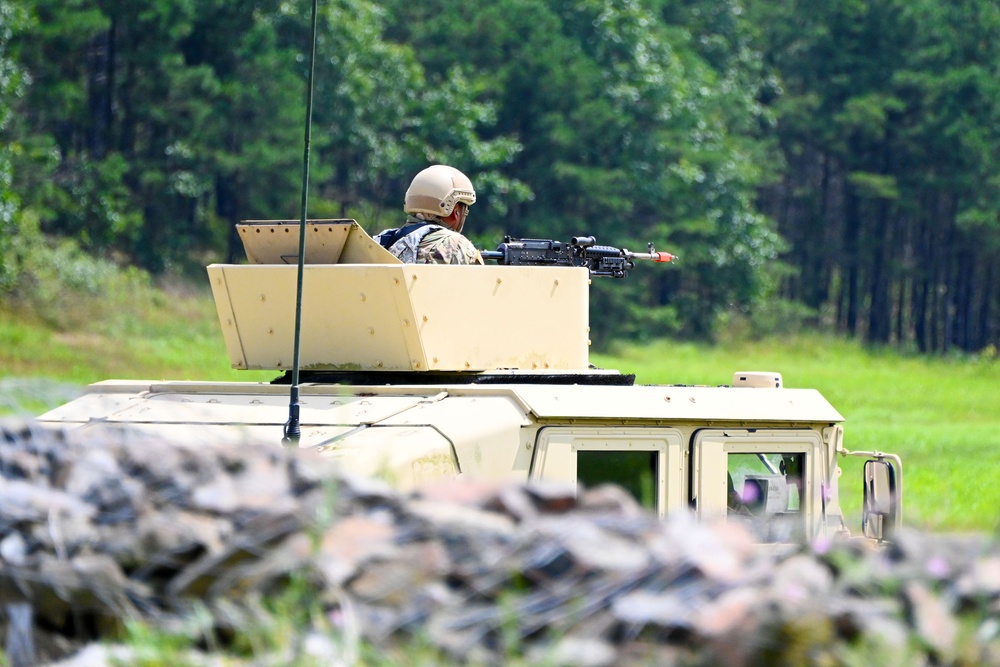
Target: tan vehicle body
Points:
(486, 375)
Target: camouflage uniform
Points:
(431, 244)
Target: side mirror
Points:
(881, 501)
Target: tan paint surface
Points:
(404, 317)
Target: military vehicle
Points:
(422, 372)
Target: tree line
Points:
(833, 165)
(889, 124)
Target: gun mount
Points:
(364, 310)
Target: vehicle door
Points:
(771, 480)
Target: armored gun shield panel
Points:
(326, 242)
(404, 317)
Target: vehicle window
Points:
(634, 471)
(764, 483)
(768, 479)
(648, 463)
(765, 493)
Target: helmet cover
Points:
(437, 189)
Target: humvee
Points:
(421, 372)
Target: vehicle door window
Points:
(764, 483)
(649, 463)
(769, 480)
(634, 471)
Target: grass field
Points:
(942, 415)
(159, 335)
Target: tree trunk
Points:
(852, 238)
(227, 206)
(100, 78)
(879, 311)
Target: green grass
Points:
(942, 415)
(160, 335)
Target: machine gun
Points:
(601, 260)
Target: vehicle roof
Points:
(672, 402)
(257, 403)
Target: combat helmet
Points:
(436, 190)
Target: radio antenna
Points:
(293, 429)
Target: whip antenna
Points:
(292, 427)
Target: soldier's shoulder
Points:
(444, 246)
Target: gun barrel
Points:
(652, 256)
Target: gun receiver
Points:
(601, 260)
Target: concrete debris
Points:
(100, 529)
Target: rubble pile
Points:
(103, 529)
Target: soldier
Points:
(437, 204)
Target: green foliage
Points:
(889, 123)
(775, 317)
(866, 130)
(65, 287)
(629, 133)
(154, 647)
(80, 319)
(381, 117)
(11, 19)
(630, 120)
(99, 206)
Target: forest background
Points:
(825, 165)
